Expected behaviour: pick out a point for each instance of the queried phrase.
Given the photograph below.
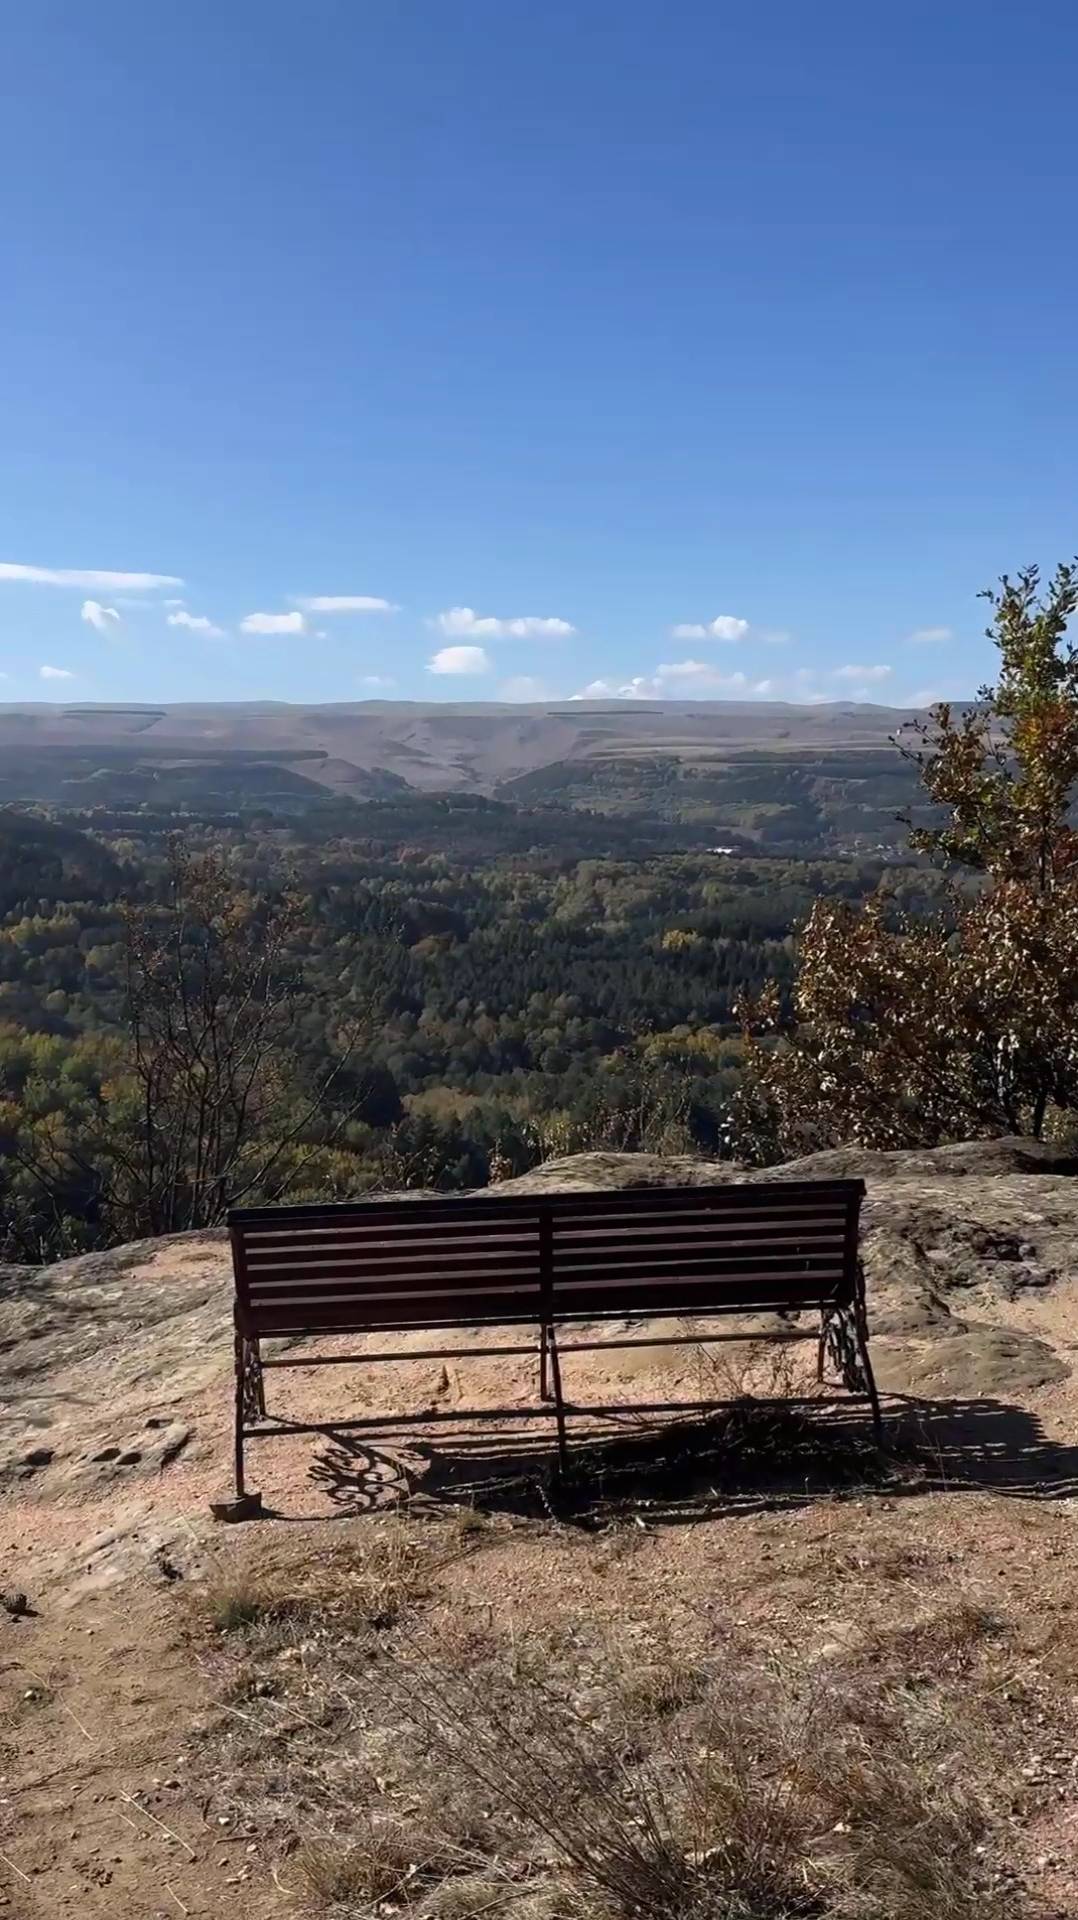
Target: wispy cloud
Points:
(102, 618)
(929, 636)
(681, 680)
(88, 577)
(377, 681)
(464, 623)
(725, 626)
(55, 673)
(459, 660)
(865, 676)
(343, 603)
(273, 623)
(195, 623)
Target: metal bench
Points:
(543, 1263)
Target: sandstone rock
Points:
(980, 1363)
(977, 1159)
(592, 1172)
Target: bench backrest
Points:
(464, 1261)
(711, 1249)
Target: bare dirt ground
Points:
(118, 1756)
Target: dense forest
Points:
(469, 988)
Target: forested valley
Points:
(447, 996)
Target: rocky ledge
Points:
(971, 1256)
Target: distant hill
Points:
(775, 775)
(46, 860)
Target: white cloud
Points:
(55, 673)
(273, 623)
(459, 660)
(930, 636)
(376, 680)
(87, 577)
(523, 687)
(701, 679)
(725, 626)
(639, 688)
(926, 697)
(681, 679)
(173, 602)
(344, 603)
(865, 675)
(465, 623)
(196, 623)
(95, 615)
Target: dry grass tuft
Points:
(947, 1641)
(368, 1586)
(373, 1867)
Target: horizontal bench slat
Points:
(732, 1222)
(358, 1285)
(741, 1285)
(614, 1244)
(704, 1258)
(717, 1226)
(722, 1286)
(612, 1257)
(404, 1283)
(476, 1206)
(410, 1233)
(474, 1260)
(683, 1302)
(430, 1311)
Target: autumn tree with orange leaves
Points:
(911, 1031)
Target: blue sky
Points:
(681, 349)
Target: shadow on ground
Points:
(747, 1458)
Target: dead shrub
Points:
(759, 1802)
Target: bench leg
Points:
(250, 1404)
(844, 1334)
(544, 1367)
(559, 1404)
(241, 1411)
(860, 1321)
